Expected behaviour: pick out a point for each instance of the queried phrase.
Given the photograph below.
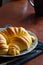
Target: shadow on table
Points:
(32, 18)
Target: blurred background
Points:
(2, 2)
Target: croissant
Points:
(13, 49)
(3, 45)
(2, 39)
(3, 48)
(16, 37)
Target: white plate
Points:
(33, 45)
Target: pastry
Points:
(2, 39)
(3, 48)
(13, 49)
(21, 42)
(15, 38)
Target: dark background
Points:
(0, 2)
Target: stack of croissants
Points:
(13, 40)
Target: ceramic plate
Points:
(33, 45)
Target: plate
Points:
(33, 46)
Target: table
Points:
(21, 13)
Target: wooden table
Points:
(21, 13)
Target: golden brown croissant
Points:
(13, 49)
(3, 48)
(3, 45)
(21, 42)
(17, 36)
(2, 39)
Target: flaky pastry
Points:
(14, 40)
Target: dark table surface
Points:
(21, 13)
